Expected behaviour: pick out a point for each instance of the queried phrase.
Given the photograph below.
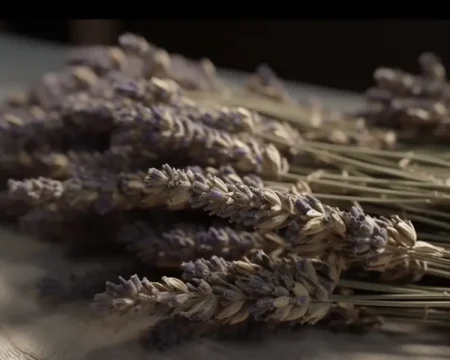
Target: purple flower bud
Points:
(302, 206)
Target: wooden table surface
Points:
(69, 332)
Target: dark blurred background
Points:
(334, 53)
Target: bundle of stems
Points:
(275, 212)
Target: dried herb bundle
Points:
(330, 197)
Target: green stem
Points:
(372, 180)
(343, 185)
(421, 316)
(429, 296)
(392, 303)
(426, 211)
(320, 154)
(363, 165)
(429, 258)
(425, 288)
(419, 320)
(363, 285)
(371, 199)
(443, 238)
(429, 221)
(292, 113)
(385, 153)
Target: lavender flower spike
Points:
(186, 242)
(353, 233)
(267, 289)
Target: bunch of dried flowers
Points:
(319, 203)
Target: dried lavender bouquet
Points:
(134, 293)
(115, 111)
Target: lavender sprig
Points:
(353, 233)
(103, 189)
(86, 192)
(187, 242)
(95, 110)
(60, 165)
(234, 120)
(164, 130)
(158, 62)
(290, 289)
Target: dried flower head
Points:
(290, 289)
(177, 243)
(165, 130)
(353, 233)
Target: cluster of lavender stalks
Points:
(237, 219)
